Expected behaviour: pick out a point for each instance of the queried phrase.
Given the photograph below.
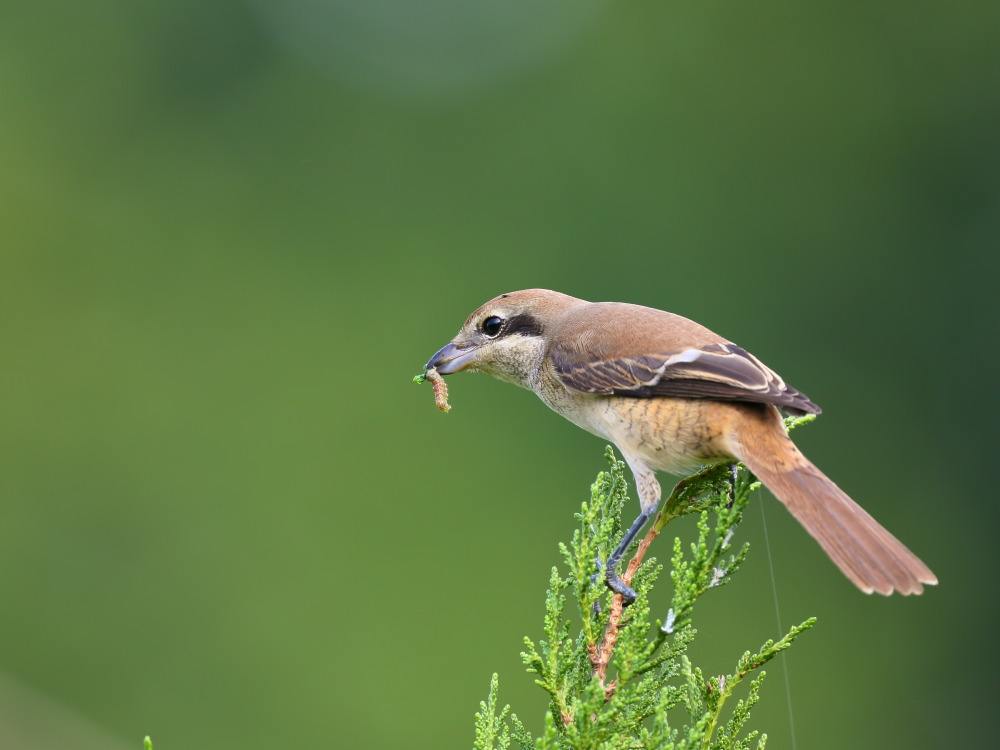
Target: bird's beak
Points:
(450, 358)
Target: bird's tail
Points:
(862, 548)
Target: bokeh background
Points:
(232, 231)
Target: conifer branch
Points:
(612, 686)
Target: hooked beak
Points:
(450, 358)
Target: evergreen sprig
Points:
(621, 681)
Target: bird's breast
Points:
(579, 408)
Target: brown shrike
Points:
(673, 396)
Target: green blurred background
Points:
(232, 232)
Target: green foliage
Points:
(495, 730)
(147, 743)
(646, 694)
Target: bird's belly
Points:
(678, 436)
(672, 457)
(675, 435)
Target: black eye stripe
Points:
(523, 324)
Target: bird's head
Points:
(506, 337)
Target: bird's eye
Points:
(492, 325)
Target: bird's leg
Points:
(648, 490)
(611, 577)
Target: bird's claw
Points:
(616, 584)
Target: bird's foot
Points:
(616, 584)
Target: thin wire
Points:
(777, 617)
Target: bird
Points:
(674, 397)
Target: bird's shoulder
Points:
(615, 330)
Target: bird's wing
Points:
(625, 350)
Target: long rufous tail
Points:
(860, 546)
